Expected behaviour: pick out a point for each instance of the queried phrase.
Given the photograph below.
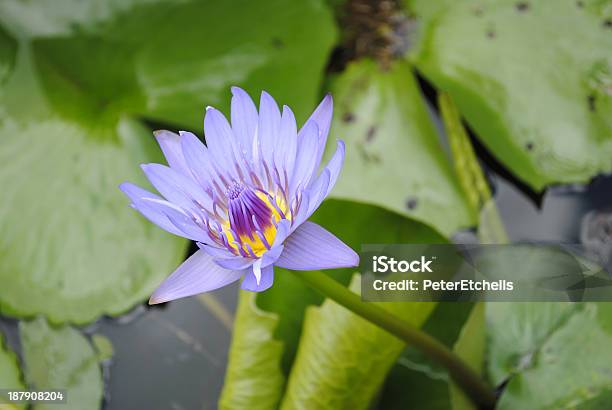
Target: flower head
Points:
(245, 197)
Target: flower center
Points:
(247, 212)
(234, 190)
(251, 220)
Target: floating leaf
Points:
(128, 56)
(394, 158)
(555, 355)
(61, 358)
(72, 248)
(548, 120)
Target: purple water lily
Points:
(245, 197)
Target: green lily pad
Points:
(277, 315)
(394, 158)
(72, 248)
(101, 58)
(555, 355)
(10, 375)
(61, 358)
(537, 97)
(70, 131)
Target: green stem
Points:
(479, 392)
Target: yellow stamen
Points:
(269, 231)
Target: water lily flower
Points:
(245, 197)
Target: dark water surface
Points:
(172, 357)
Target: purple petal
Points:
(134, 192)
(257, 157)
(244, 118)
(335, 165)
(170, 144)
(271, 255)
(285, 151)
(312, 247)
(269, 126)
(189, 228)
(235, 263)
(323, 185)
(305, 162)
(283, 229)
(322, 115)
(197, 159)
(154, 214)
(214, 250)
(302, 213)
(221, 141)
(177, 188)
(266, 279)
(318, 192)
(197, 274)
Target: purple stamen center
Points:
(247, 212)
(234, 190)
